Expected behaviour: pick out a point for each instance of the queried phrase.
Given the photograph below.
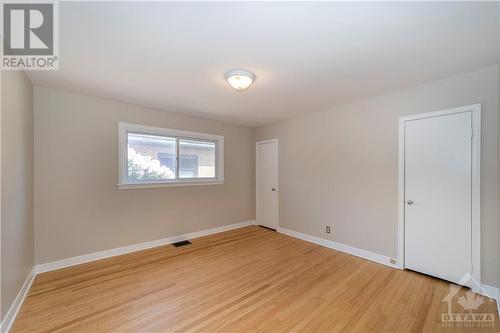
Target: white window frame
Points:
(124, 183)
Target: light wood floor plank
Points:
(246, 280)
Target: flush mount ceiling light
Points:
(240, 79)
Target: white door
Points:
(267, 183)
(438, 193)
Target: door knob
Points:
(410, 202)
(273, 189)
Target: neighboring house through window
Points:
(152, 157)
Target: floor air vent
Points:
(181, 243)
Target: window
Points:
(157, 157)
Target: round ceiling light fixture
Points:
(240, 79)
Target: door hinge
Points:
(471, 133)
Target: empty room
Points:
(250, 166)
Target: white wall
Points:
(17, 241)
(79, 210)
(339, 167)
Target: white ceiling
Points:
(307, 56)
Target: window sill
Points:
(132, 186)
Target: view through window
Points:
(158, 158)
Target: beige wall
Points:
(339, 167)
(17, 184)
(498, 206)
(79, 210)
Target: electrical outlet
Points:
(328, 230)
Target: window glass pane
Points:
(150, 157)
(196, 159)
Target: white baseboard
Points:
(379, 258)
(51, 266)
(16, 306)
(492, 292)
(488, 291)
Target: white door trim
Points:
(475, 110)
(267, 141)
(276, 174)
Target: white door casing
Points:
(267, 191)
(439, 194)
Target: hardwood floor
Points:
(246, 280)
